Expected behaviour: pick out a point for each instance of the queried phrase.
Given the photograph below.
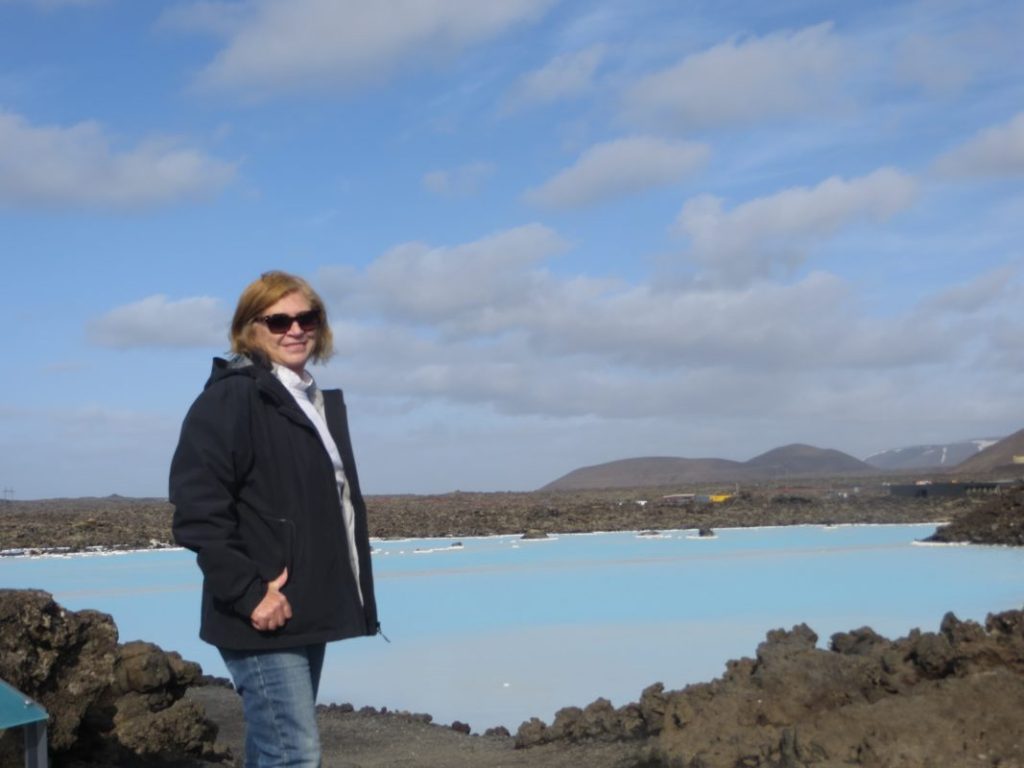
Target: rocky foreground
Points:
(949, 697)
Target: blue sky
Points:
(549, 234)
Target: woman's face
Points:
(292, 348)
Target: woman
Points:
(265, 491)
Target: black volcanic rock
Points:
(951, 697)
(999, 521)
(109, 704)
(86, 524)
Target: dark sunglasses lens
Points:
(309, 321)
(282, 323)
(278, 323)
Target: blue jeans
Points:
(278, 690)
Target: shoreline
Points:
(644, 533)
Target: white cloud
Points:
(464, 181)
(660, 328)
(282, 44)
(619, 168)
(994, 151)
(1007, 339)
(983, 315)
(157, 322)
(780, 74)
(564, 77)
(640, 351)
(486, 323)
(51, 166)
(461, 289)
(757, 237)
(977, 294)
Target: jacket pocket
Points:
(271, 544)
(287, 529)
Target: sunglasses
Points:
(282, 323)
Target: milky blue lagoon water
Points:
(499, 629)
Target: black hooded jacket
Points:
(254, 491)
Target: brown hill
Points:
(646, 472)
(800, 459)
(996, 458)
(788, 461)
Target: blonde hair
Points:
(264, 292)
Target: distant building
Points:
(679, 498)
(927, 489)
(701, 498)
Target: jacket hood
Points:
(236, 365)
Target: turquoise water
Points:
(492, 631)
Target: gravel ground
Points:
(361, 740)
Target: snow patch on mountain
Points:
(929, 456)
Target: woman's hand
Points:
(274, 609)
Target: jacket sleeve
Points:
(213, 456)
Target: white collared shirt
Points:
(311, 400)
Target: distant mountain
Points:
(997, 457)
(646, 472)
(799, 459)
(789, 461)
(939, 456)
